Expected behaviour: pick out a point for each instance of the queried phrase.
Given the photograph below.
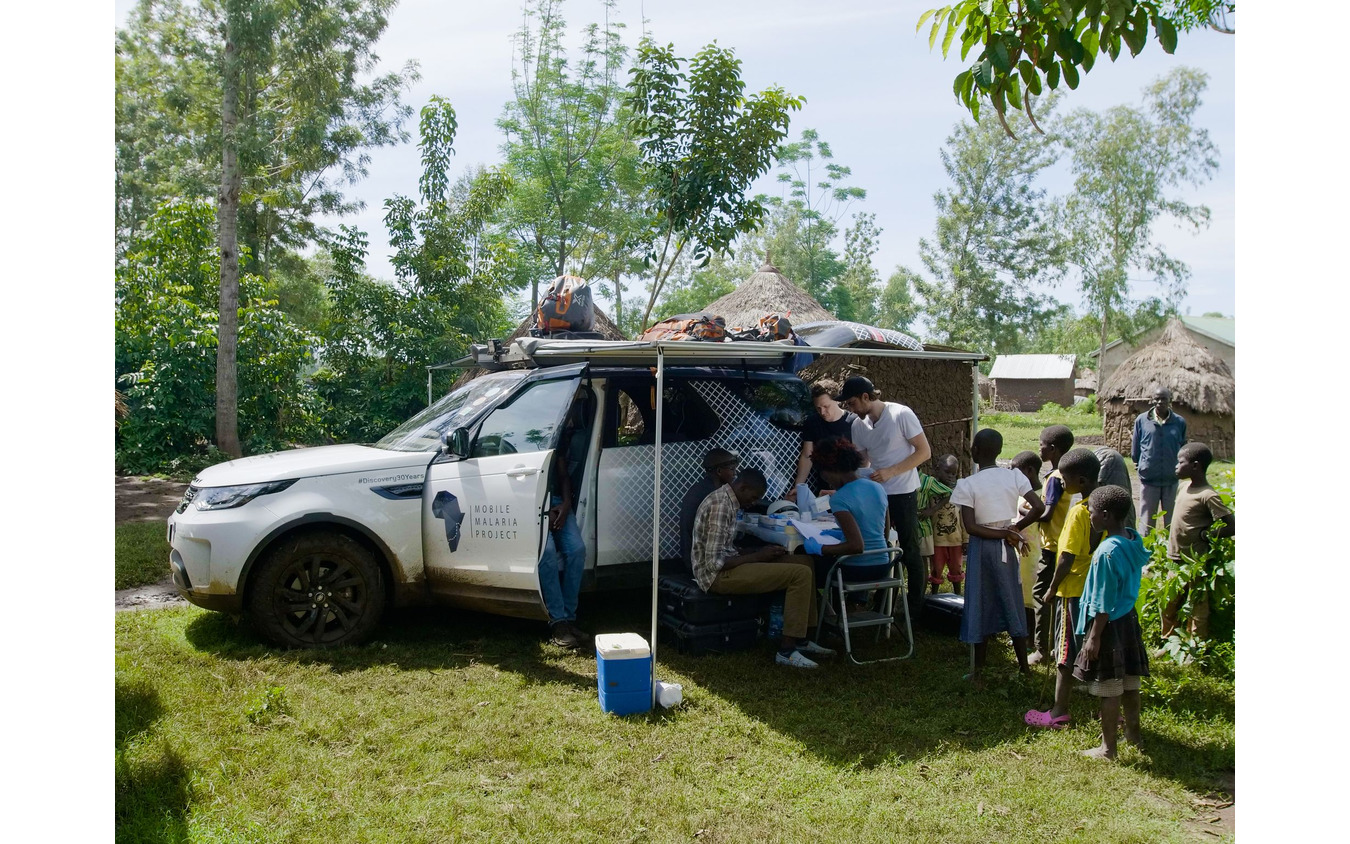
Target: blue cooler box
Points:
(624, 673)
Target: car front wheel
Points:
(316, 590)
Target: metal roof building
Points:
(1026, 382)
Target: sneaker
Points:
(796, 660)
(564, 635)
(1035, 658)
(586, 639)
(815, 650)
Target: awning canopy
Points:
(530, 352)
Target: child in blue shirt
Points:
(1112, 658)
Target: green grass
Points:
(457, 726)
(141, 554)
(1022, 431)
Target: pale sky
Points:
(874, 91)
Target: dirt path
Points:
(147, 500)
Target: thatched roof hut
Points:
(1201, 384)
(603, 325)
(767, 291)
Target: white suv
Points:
(312, 545)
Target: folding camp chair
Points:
(837, 591)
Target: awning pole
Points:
(656, 501)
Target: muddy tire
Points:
(316, 590)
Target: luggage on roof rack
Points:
(707, 327)
(567, 307)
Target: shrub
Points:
(1207, 575)
(167, 318)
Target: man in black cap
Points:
(890, 435)
(719, 468)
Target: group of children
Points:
(1070, 565)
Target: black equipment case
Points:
(716, 637)
(679, 597)
(942, 612)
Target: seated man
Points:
(719, 467)
(721, 568)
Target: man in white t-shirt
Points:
(894, 443)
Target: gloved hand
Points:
(811, 545)
(834, 532)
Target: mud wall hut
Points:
(940, 392)
(1201, 384)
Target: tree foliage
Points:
(310, 110)
(1128, 164)
(703, 142)
(1028, 46)
(995, 247)
(569, 150)
(166, 345)
(816, 197)
(896, 306)
(854, 296)
(452, 280)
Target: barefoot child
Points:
(949, 535)
(1029, 464)
(1197, 507)
(1113, 658)
(988, 501)
(1079, 469)
(1056, 440)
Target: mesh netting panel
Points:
(625, 486)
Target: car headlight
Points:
(226, 497)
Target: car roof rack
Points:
(530, 352)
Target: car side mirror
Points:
(456, 442)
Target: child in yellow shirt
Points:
(1077, 541)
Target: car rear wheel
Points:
(316, 590)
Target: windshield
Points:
(424, 431)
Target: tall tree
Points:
(566, 140)
(1128, 165)
(995, 246)
(896, 307)
(452, 277)
(815, 190)
(310, 108)
(855, 294)
(273, 85)
(703, 142)
(1028, 46)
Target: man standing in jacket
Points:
(1159, 434)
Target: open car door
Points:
(484, 509)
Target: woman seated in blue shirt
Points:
(859, 506)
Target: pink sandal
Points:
(1044, 720)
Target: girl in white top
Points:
(988, 501)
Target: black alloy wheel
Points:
(316, 590)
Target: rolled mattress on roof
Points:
(841, 334)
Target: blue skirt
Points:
(993, 592)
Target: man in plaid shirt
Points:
(722, 568)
